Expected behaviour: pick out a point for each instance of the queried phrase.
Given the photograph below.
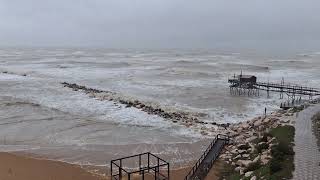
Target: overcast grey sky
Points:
(161, 23)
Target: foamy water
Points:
(40, 116)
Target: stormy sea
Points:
(42, 117)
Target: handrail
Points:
(122, 171)
(195, 167)
(206, 152)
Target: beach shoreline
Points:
(17, 167)
(25, 165)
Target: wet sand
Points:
(16, 167)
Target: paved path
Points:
(307, 157)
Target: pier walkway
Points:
(204, 164)
(244, 84)
(287, 88)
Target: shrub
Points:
(282, 149)
(279, 152)
(275, 165)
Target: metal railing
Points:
(204, 155)
(143, 169)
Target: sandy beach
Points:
(21, 167)
(16, 167)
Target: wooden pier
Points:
(291, 90)
(205, 163)
(248, 85)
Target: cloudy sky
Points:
(161, 23)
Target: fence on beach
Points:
(149, 165)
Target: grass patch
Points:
(316, 127)
(281, 164)
(283, 133)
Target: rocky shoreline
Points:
(188, 119)
(241, 153)
(238, 131)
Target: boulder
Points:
(256, 159)
(245, 126)
(204, 133)
(243, 146)
(232, 133)
(253, 178)
(262, 143)
(239, 130)
(245, 155)
(235, 151)
(237, 169)
(223, 156)
(242, 151)
(271, 140)
(250, 139)
(285, 121)
(239, 138)
(248, 174)
(266, 120)
(244, 163)
(265, 159)
(257, 123)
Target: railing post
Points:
(111, 170)
(168, 171)
(142, 175)
(148, 162)
(158, 168)
(120, 170)
(140, 163)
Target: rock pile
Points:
(175, 116)
(12, 73)
(251, 146)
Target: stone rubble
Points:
(243, 135)
(188, 119)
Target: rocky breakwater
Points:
(185, 118)
(13, 73)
